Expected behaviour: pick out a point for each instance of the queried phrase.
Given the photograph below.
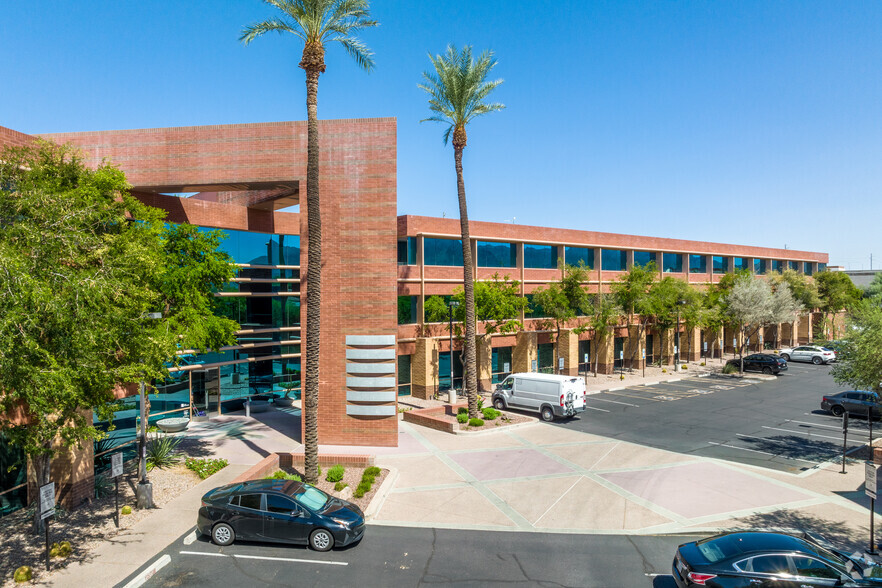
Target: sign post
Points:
(116, 468)
(704, 353)
(47, 509)
(721, 350)
(734, 346)
(622, 361)
(644, 362)
(844, 438)
(871, 479)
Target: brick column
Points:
(804, 330)
(73, 472)
(666, 340)
(525, 351)
(569, 349)
(484, 351)
(424, 368)
(603, 349)
(691, 340)
(634, 347)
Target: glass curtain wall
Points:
(546, 358)
(444, 370)
(613, 260)
(404, 375)
(697, 264)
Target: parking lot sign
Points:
(871, 479)
(560, 363)
(47, 500)
(534, 365)
(116, 466)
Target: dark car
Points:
(279, 511)
(756, 559)
(761, 362)
(854, 401)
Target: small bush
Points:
(162, 452)
(339, 486)
(462, 410)
(480, 402)
(730, 369)
(373, 471)
(685, 367)
(103, 486)
(283, 475)
(335, 474)
(23, 574)
(664, 371)
(622, 376)
(153, 429)
(703, 363)
(476, 423)
(490, 413)
(206, 467)
(462, 418)
(126, 510)
(61, 550)
(362, 489)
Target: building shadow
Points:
(836, 532)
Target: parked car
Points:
(279, 511)
(853, 401)
(550, 395)
(761, 362)
(816, 355)
(748, 560)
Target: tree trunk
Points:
(313, 283)
(42, 469)
(470, 379)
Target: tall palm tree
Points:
(457, 90)
(316, 23)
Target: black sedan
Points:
(279, 511)
(757, 559)
(761, 362)
(854, 401)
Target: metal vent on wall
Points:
(370, 375)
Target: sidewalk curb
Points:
(380, 497)
(148, 573)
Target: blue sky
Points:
(750, 122)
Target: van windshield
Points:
(506, 384)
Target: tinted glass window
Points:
(497, 254)
(442, 252)
(739, 263)
(407, 310)
(770, 564)
(776, 265)
(234, 501)
(613, 260)
(794, 265)
(250, 501)
(807, 268)
(540, 256)
(673, 262)
(759, 266)
(643, 257)
(697, 264)
(312, 498)
(276, 503)
(812, 568)
(579, 255)
(721, 264)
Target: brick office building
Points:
(240, 177)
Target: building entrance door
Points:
(206, 391)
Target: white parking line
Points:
(802, 433)
(264, 557)
(613, 401)
(758, 451)
(851, 431)
(595, 408)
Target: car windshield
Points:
(311, 498)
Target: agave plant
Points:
(162, 452)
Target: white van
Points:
(548, 394)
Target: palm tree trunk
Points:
(471, 365)
(313, 283)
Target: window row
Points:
(260, 312)
(259, 248)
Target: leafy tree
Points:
(802, 287)
(874, 289)
(603, 319)
(859, 363)
(631, 292)
(564, 300)
(77, 277)
(664, 303)
(457, 90)
(316, 23)
(837, 292)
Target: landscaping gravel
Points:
(351, 477)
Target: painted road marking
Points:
(666, 398)
(189, 539)
(701, 391)
(264, 557)
(595, 408)
(721, 387)
(594, 397)
(763, 452)
(839, 428)
(802, 433)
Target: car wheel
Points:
(785, 357)
(499, 403)
(321, 540)
(817, 360)
(547, 414)
(767, 370)
(837, 410)
(222, 534)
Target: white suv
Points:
(812, 353)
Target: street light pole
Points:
(452, 304)
(144, 491)
(677, 338)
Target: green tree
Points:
(665, 303)
(836, 292)
(631, 292)
(77, 277)
(603, 320)
(564, 300)
(458, 88)
(316, 23)
(859, 363)
(874, 289)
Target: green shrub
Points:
(126, 510)
(335, 474)
(283, 475)
(373, 471)
(23, 574)
(153, 429)
(363, 488)
(61, 550)
(476, 423)
(462, 410)
(730, 369)
(462, 417)
(685, 367)
(206, 467)
(339, 486)
(162, 452)
(480, 402)
(103, 486)
(490, 413)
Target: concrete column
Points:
(424, 368)
(525, 351)
(602, 348)
(485, 362)
(568, 346)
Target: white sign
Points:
(675, 349)
(871, 476)
(586, 358)
(705, 346)
(506, 367)
(116, 465)
(644, 354)
(734, 342)
(621, 355)
(560, 363)
(534, 365)
(47, 500)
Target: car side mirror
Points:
(296, 513)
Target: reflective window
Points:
(584, 356)
(250, 501)
(777, 266)
(534, 309)
(540, 256)
(444, 370)
(613, 260)
(260, 312)
(822, 267)
(407, 251)
(812, 568)
(407, 310)
(770, 564)
(546, 358)
(739, 263)
(697, 264)
(13, 473)
(252, 287)
(497, 254)
(794, 265)
(759, 266)
(807, 268)
(643, 257)
(721, 264)
(500, 364)
(672, 263)
(442, 252)
(280, 504)
(579, 255)
(404, 375)
(260, 248)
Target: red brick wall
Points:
(8, 137)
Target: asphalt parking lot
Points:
(774, 424)
(397, 556)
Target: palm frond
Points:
(251, 32)
(363, 56)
